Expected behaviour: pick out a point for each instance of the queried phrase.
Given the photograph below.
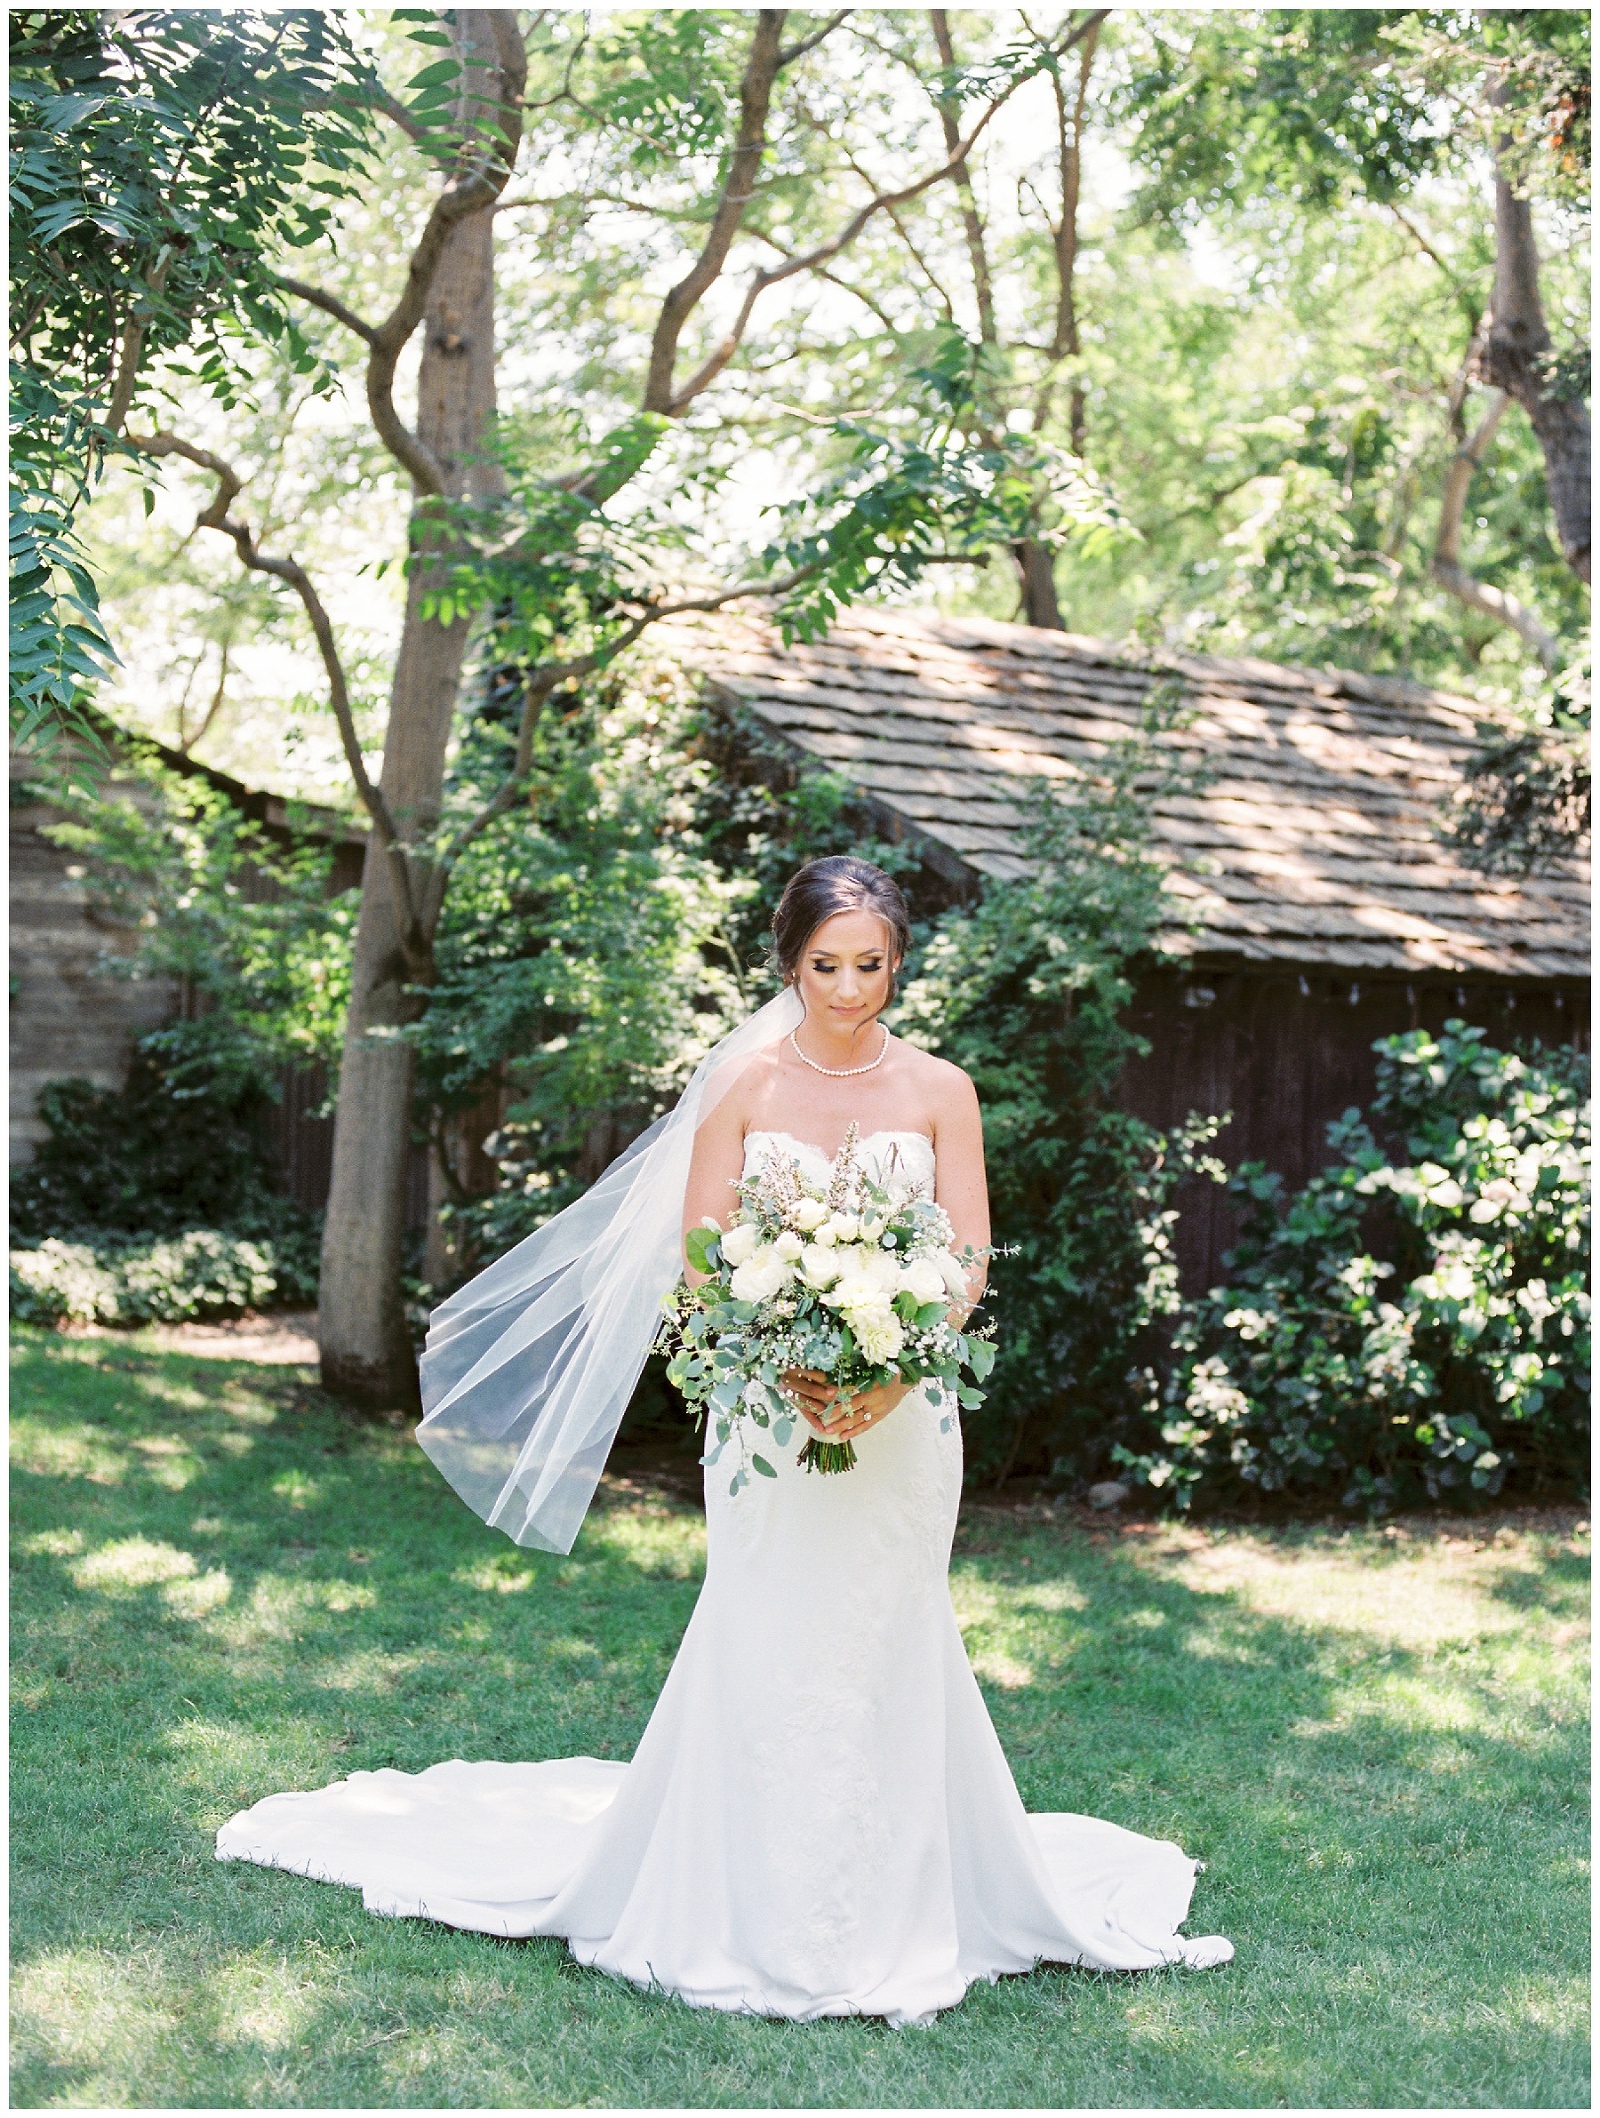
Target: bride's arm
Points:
(961, 1186)
(714, 1168)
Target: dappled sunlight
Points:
(299, 1490)
(200, 1596)
(131, 1563)
(500, 1575)
(650, 1536)
(992, 1667)
(1007, 1627)
(1385, 1800)
(66, 1452)
(280, 1607)
(1061, 1595)
(51, 1544)
(168, 1463)
(86, 2007)
(369, 1669)
(260, 2000)
(1420, 1595)
(1211, 1643)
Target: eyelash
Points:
(824, 968)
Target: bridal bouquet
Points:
(836, 1277)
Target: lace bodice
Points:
(899, 1161)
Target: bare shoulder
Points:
(946, 1088)
(744, 1085)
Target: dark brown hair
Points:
(822, 888)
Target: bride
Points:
(819, 1819)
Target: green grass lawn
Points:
(224, 1586)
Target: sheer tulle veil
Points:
(528, 1369)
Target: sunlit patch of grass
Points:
(130, 1563)
(65, 1452)
(1375, 1740)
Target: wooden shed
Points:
(1317, 907)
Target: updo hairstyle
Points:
(822, 888)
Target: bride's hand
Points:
(827, 1414)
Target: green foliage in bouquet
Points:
(838, 1278)
(1413, 1325)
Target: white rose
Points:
(872, 1226)
(879, 1334)
(819, 1268)
(845, 1227)
(869, 1280)
(759, 1277)
(809, 1214)
(955, 1276)
(740, 1241)
(925, 1280)
(788, 1246)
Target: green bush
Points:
(598, 941)
(159, 1200)
(162, 1279)
(1413, 1325)
(1026, 989)
(151, 1158)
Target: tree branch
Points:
(1515, 357)
(961, 178)
(397, 113)
(1445, 565)
(217, 517)
(792, 52)
(884, 201)
(330, 303)
(483, 166)
(750, 144)
(129, 353)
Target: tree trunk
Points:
(1515, 359)
(1037, 573)
(366, 1351)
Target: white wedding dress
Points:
(819, 1819)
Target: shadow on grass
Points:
(226, 1587)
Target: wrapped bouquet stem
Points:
(832, 1277)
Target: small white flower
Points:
(788, 1246)
(808, 1214)
(740, 1242)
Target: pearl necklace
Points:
(841, 1073)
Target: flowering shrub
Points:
(156, 1279)
(1410, 1326)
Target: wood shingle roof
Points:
(1311, 840)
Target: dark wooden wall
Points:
(1287, 1053)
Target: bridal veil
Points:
(528, 1368)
